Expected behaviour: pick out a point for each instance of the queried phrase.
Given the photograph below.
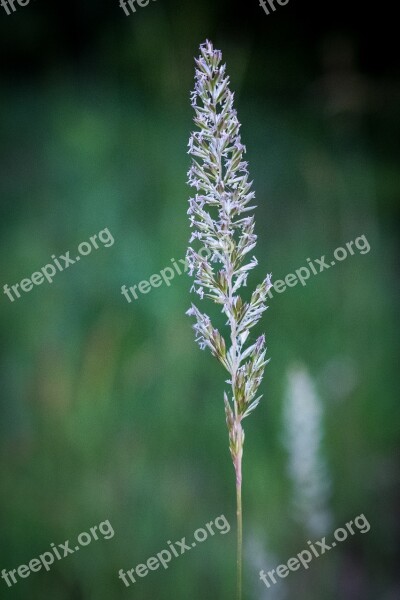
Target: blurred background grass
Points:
(109, 409)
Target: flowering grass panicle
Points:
(219, 216)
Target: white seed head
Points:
(218, 216)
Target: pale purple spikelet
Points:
(220, 220)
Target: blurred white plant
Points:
(303, 434)
(258, 556)
(218, 215)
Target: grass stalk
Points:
(218, 214)
(239, 527)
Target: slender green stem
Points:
(239, 527)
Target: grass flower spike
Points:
(220, 215)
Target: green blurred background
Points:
(109, 410)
